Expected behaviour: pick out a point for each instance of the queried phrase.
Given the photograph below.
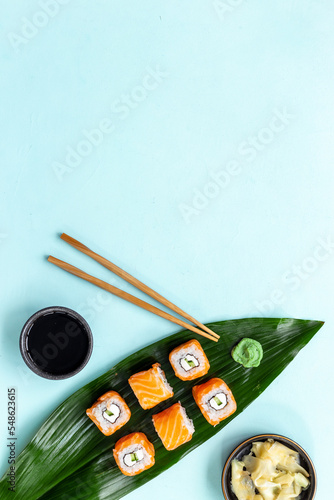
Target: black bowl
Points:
(67, 339)
(245, 447)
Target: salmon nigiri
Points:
(173, 426)
(151, 387)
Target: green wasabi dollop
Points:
(248, 353)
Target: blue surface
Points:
(210, 178)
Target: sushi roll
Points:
(173, 426)
(151, 387)
(134, 453)
(189, 361)
(109, 413)
(215, 400)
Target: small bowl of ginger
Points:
(269, 466)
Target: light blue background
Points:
(228, 68)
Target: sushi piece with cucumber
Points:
(134, 453)
(173, 426)
(215, 400)
(109, 413)
(189, 361)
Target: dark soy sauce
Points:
(57, 343)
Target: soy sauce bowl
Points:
(56, 343)
(244, 448)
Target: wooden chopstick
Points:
(134, 281)
(126, 296)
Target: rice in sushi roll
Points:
(173, 426)
(109, 413)
(134, 453)
(189, 361)
(215, 400)
(151, 387)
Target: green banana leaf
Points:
(69, 458)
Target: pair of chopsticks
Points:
(126, 296)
